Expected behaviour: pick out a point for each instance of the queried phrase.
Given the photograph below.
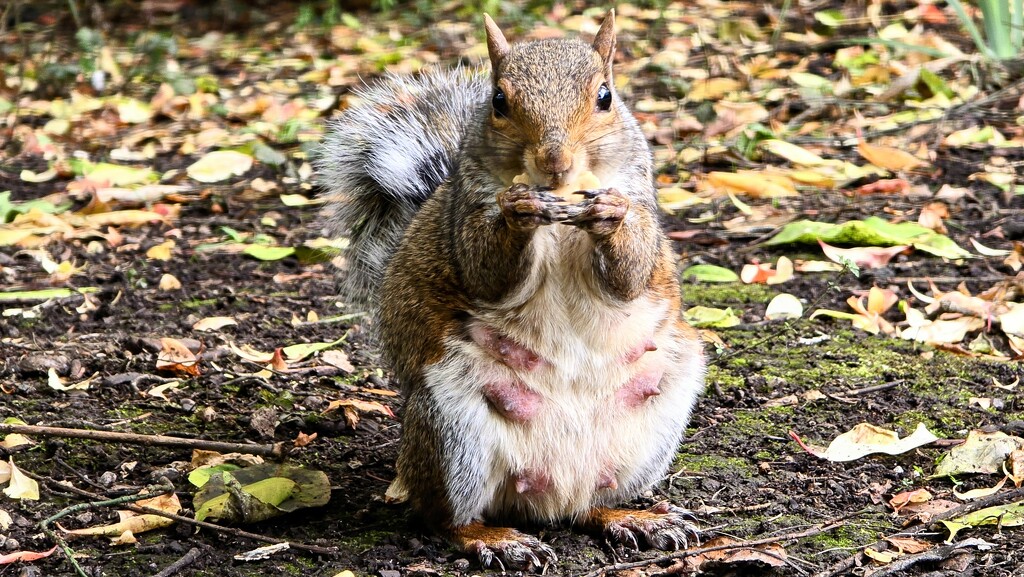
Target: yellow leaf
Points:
(758, 185)
(161, 251)
(21, 485)
(713, 88)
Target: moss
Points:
(198, 303)
(724, 380)
(694, 463)
(726, 294)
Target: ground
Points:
(738, 469)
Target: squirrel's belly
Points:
(564, 428)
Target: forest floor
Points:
(267, 88)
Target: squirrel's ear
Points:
(604, 42)
(497, 46)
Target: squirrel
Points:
(537, 337)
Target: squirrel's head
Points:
(553, 101)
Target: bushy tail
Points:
(385, 156)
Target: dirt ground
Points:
(738, 469)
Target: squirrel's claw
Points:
(528, 207)
(521, 552)
(663, 526)
(600, 212)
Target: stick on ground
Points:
(275, 451)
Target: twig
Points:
(186, 560)
(275, 451)
(990, 501)
(898, 566)
(702, 550)
(329, 551)
(69, 553)
(874, 388)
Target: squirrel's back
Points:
(386, 155)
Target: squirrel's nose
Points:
(554, 160)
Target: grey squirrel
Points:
(537, 336)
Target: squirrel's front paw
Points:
(663, 526)
(527, 207)
(505, 548)
(601, 212)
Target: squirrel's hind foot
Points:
(504, 547)
(663, 526)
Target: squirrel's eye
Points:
(604, 98)
(500, 103)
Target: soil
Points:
(738, 469)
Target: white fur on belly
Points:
(581, 433)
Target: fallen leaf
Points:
(161, 251)
(903, 499)
(174, 356)
(709, 317)
(784, 306)
(932, 215)
(980, 453)
(709, 273)
(219, 165)
(888, 157)
(134, 523)
(169, 282)
(764, 273)
(21, 486)
(25, 556)
(1009, 515)
(866, 439)
(883, 557)
(210, 324)
(980, 492)
(866, 256)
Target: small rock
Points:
(43, 362)
(461, 564)
(264, 421)
(107, 479)
(188, 405)
(390, 573)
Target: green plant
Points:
(1004, 27)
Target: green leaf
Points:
(268, 253)
(268, 155)
(260, 492)
(303, 350)
(118, 175)
(872, 231)
(8, 208)
(830, 18)
(710, 273)
(200, 476)
(1009, 515)
(708, 317)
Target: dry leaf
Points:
(888, 157)
(865, 256)
(764, 274)
(900, 500)
(932, 216)
(174, 356)
(866, 439)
